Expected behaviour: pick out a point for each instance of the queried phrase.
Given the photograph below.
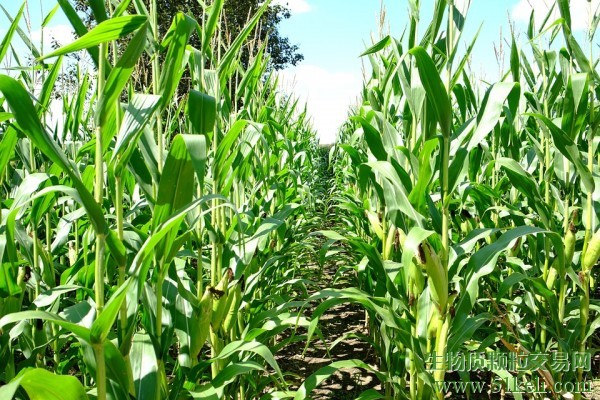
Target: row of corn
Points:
(474, 205)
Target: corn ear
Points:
(375, 224)
(234, 305)
(389, 243)
(551, 278)
(464, 227)
(570, 244)
(438, 279)
(220, 302)
(416, 276)
(206, 310)
(592, 253)
(516, 249)
(72, 254)
(434, 321)
(401, 238)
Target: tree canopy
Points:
(235, 15)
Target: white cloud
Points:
(63, 34)
(295, 6)
(328, 94)
(580, 11)
(462, 5)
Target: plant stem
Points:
(444, 323)
(159, 309)
(99, 273)
(100, 371)
(156, 83)
(100, 236)
(585, 276)
(120, 234)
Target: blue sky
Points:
(332, 34)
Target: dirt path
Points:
(334, 324)
(342, 320)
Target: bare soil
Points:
(335, 323)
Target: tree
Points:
(234, 18)
(282, 53)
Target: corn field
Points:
(156, 244)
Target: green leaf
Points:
(466, 57)
(28, 121)
(226, 65)
(515, 64)
(578, 54)
(7, 146)
(436, 92)
(370, 394)
(78, 27)
(24, 37)
(325, 372)
(576, 104)
(138, 114)
(98, 10)
(223, 158)
(48, 297)
(490, 111)
(81, 332)
(565, 12)
(257, 348)
(202, 111)
(466, 331)
(8, 274)
(109, 30)
(116, 82)
(122, 8)
(139, 266)
(481, 264)
(5, 44)
(248, 86)
(382, 44)
(508, 283)
(144, 367)
(213, 12)
(176, 187)
(41, 384)
(104, 322)
(215, 389)
(373, 139)
(49, 84)
(569, 149)
(525, 184)
(394, 192)
(49, 16)
(418, 196)
(458, 168)
(172, 68)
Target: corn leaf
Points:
(41, 384)
(436, 92)
(5, 44)
(29, 123)
(569, 149)
(112, 29)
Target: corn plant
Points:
(472, 208)
(143, 247)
